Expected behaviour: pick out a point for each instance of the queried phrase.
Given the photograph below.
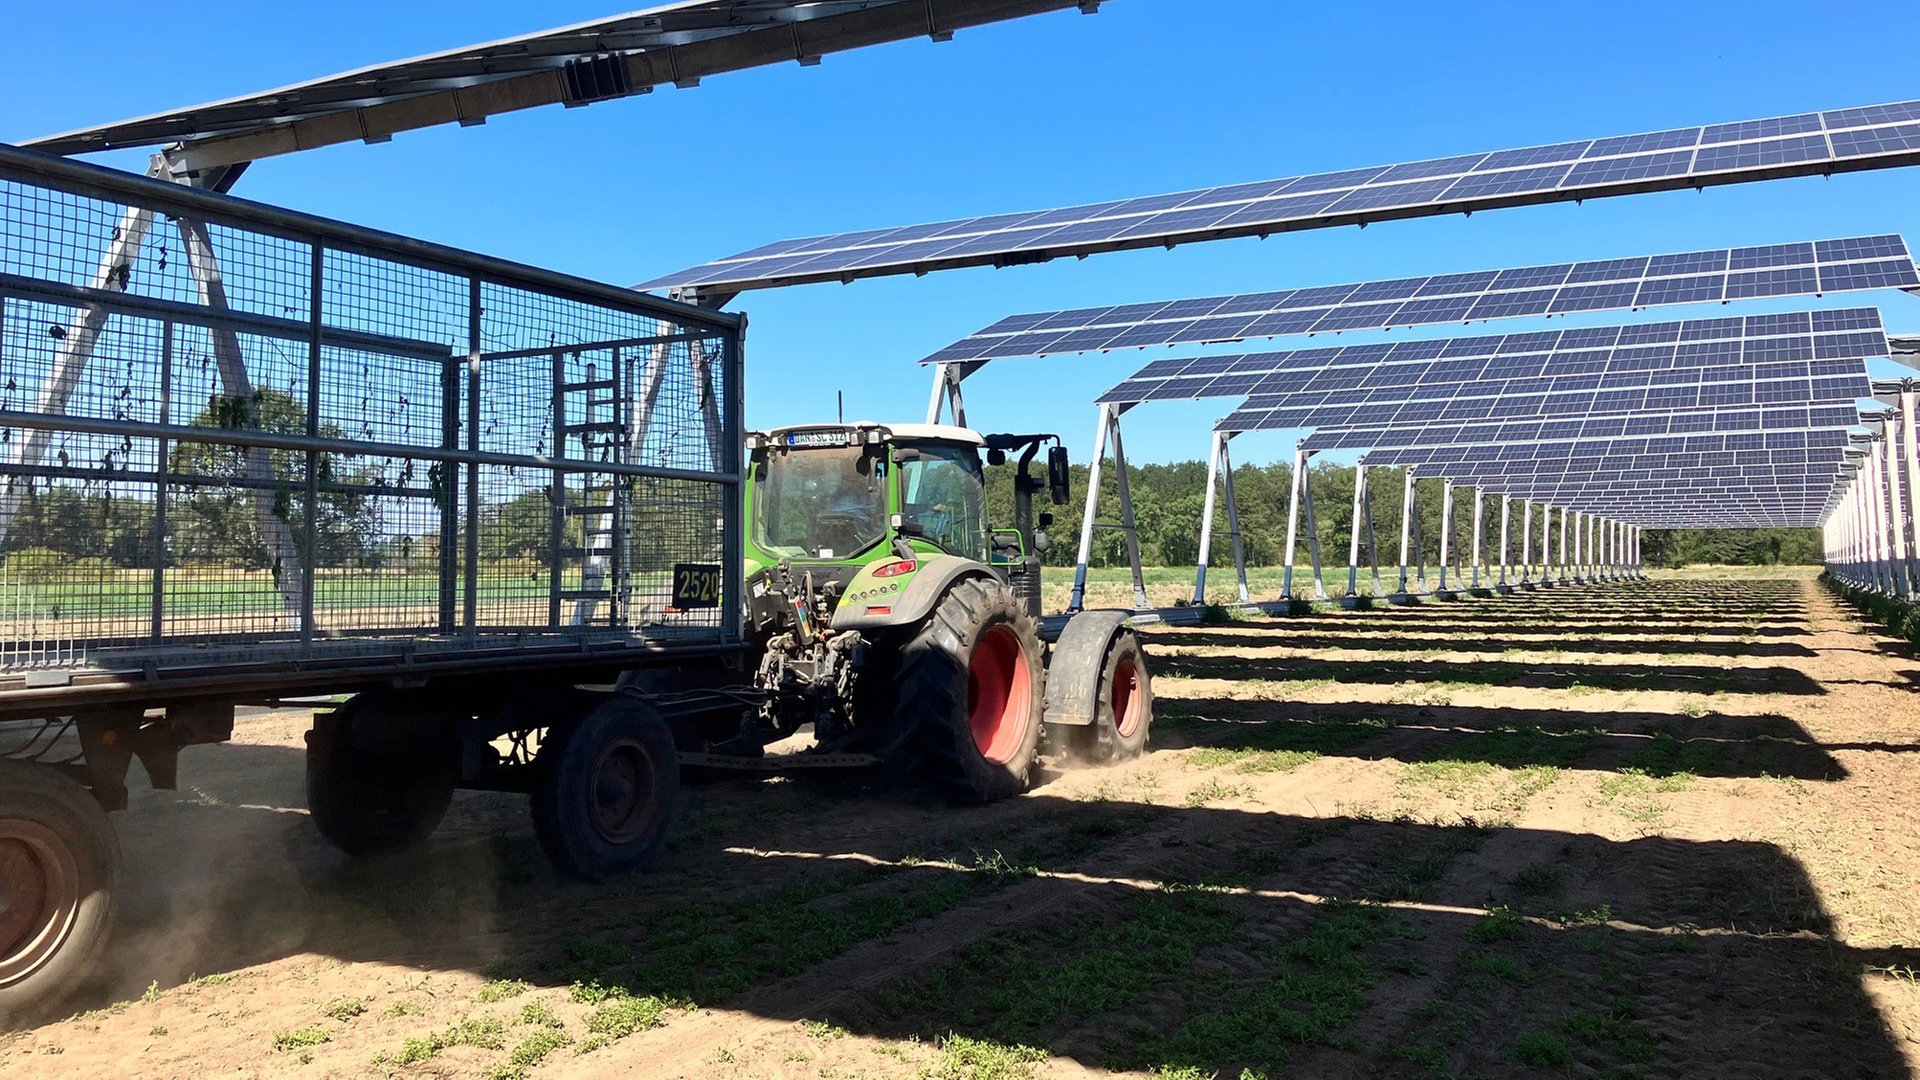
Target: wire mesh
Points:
(223, 441)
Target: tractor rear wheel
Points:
(380, 775)
(1124, 710)
(973, 683)
(604, 790)
(59, 865)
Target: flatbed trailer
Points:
(248, 455)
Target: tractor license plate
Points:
(696, 585)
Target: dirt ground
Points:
(1659, 829)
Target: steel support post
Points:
(1446, 532)
(1911, 475)
(1564, 526)
(1233, 522)
(1313, 531)
(1506, 521)
(1077, 602)
(1406, 527)
(1373, 543)
(1479, 533)
(1898, 512)
(1127, 524)
(1217, 447)
(1297, 477)
(1526, 541)
(1361, 517)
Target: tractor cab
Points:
(855, 510)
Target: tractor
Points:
(885, 612)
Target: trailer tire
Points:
(1124, 711)
(973, 683)
(379, 777)
(59, 876)
(604, 789)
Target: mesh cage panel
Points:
(229, 441)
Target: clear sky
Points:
(1145, 97)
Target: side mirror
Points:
(996, 457)
(1059, 475)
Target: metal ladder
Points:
(590, 423)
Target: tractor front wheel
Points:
(1124, 709)
(972, 682)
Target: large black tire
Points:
(972, 683)
(380, 776)
(1125, 710)
(604, 790)
(59, 874)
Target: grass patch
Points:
(1667, 757)
(540, 1014)
(1212, 791)
(1500, 924)
(502, 990)
(704, 953)
(1015, 989)
(1251, 761)
(484, 1032)
(403, 1007)
(531, 1052)
(1318, 983)
(1541, 1049)
(302, 1038)
(620, 1016)
(1616, 1031)
(962, 1058)
(344, 1009)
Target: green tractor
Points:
(887, 614)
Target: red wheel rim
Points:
(621, 792)
(39, 898)
(1129, 704)
(998, 689)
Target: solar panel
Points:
(668, 44)
(1694, 277)
(1656, 367)
(1880, 136)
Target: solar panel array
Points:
(1725, 274)
(1769, 361)
(1879, 136)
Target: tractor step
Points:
(586, 594)
(586, 511)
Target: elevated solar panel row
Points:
(1725, 274)
(1879, 136)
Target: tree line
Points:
(1169, 500)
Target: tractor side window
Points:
(822, 503)
(943, 492)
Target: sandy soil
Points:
(1661, 829)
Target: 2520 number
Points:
(696, 585)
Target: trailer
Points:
(249, 455)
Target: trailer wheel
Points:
(604, 789)
(973, 683)
(59, 870)
(379, 776)
(1124, 711)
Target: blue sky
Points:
(1147, 96)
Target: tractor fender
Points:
(1077, 663)
(914, 603)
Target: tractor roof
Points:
(900, 432)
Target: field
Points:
(1660, 829)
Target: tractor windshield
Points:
(825, 503)
(943, 492)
